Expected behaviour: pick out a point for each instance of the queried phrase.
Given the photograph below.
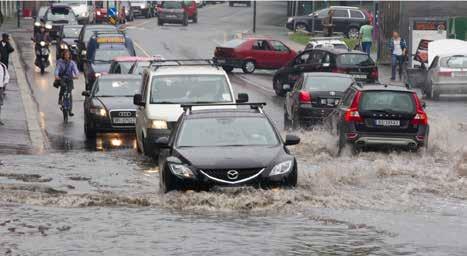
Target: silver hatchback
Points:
(446, 75)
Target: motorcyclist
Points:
(65, 72)
(41, 35)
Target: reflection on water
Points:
(102, 142)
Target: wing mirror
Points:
(86, 93)
(162, 142)
(291, 140)
(242, 98)
(138, 100)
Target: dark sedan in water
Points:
(109, 107)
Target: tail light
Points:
(304, 97)
(420, 117)
(444, 73)
(352, 115)
(340, 70)
(374, 73)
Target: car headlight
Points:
(181, 170)
(100, 111)
(290, 19)
(42, 43)
(64, 47)
(159, 124)
(281, 168)
(96, 75)
(37, 24)
(48, 26)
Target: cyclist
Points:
(65, 72)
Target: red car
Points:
(101, 14)
(253, 53)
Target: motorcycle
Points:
(42, 55)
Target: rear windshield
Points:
(172, 5)
(90, 31)
(328, 83)
(233, 43)
(388, 101)
(60, 13)
(107, 54)
(117, 87)
(454, 62)
(354, 59)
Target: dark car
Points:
(313, 97)
(108, 106)
(346, 19)
(355, 63)
(39, 19)
(142, 8)
(67, 40)
(58, 15)
(247, 3)
(253, 53)
(216, 147)
(178, 12)
(380, 116)
(101, 49)
(86, 33)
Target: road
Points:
(76, 201)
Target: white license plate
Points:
(124, 120)
(388, 122)
(359, 76)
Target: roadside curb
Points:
(30, 109)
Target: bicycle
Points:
(66, 100)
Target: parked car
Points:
(86, 32)
(446, 75)
(247, 3)
(177, 12)
(326, 42)
(380, 116)
(355, 63)
(346, 19)
(39, 18)
(143, 8)
(84, 12)
(108, 106)
(194, 156)
(313, 97)
(253, 53)
(58, 15)
(129, 15)
(123, 64)
(67, 40)
(168, 84)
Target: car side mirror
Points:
(242, 98)
(86, 93)
(162, 142)
(138, 100)
(291, 140)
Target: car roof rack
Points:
(109, 32)
(187, 108)
(155, 64)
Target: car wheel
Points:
(168, 181)
(353, 33)
(301, 27)
(160, 22)
(278, 88)
(185, 21)
(195, 18)
(249, 67)
(227, 69)
(434, 94)
(89, 132)
(291, 180)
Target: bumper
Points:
(153, 134)
(450, 88)
(235, 63)
(309, 113)
(410, 141)
(83, 19)
(103, 124)
(169, 19)
(100, 18)
(138, 11)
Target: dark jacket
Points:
(5, 52)
(391, 45)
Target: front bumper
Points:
(103, 124)
(235, 63)
(450, 88)
(153, 134)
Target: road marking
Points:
(141, 48)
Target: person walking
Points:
(4, 80)
(398, 49)
(366, 37)
(5, 49)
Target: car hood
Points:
(117, 102)
(229, 157)
(101, 67)
(446, 47)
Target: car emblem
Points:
(124, 114)
(332, 93)
(232, 174)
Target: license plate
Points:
(359, 76)
(329, 102)
(124, 120)
(171, 16)
(388, 122)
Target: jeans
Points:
(395, 61)
(366, 47)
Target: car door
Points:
(340, 20)
(283, 54)
(262, 53)
(292, 98)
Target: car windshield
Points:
(90, 31)
(227, 131)
(125, 66)
(172, 5)
(117, 87)
(193, 88)
(454, 62)
(71, 32)
(107, 54)
(389, 101)
(327, 83)
(60, 13)
(354, 59)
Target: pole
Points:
(313, 20)
(254, 16)
(18, 13)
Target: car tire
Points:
(89, 132)
(434, 94)
(278, 88)
(195, 18)
(160, 22)
(249, 67)
(301, 27)
(169, 182)
(227, 69)
(353, 33)
(185, 21)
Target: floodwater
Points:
(374, 203)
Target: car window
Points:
(227, 131)
(387, 101)
(117, 88)
(356, 14)
(190, 89)
(338, 13)
(317, 57)
(124, 67)
(260, 45)
(434, 63)
(323, 13)
(90, 31)
(303, 58)
(139, 67)
(454, 62)
(172, 5)
(60, 13)
(278, 46)
(354, 59)
(233, 43)
(327, 83)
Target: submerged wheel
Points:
(291, 180)
(169, 182)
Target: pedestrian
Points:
(5, 49)
(4, 80)
(366, 37)
(328, 23)
(398, 49)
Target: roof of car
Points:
(94, 26)
(344, 7)
(134, 58)
(119, 76)
(327, 74)
(63, 5)
(384, 87)
(338, 50)
(185, 70)
(72, 26)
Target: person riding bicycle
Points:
(65, 72)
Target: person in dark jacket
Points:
(5, 49)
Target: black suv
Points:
(380, 116)
(229, 146)
(346, 19)
(314, 97)
(355, 63)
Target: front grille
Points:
(122, 118)
(222, 174)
